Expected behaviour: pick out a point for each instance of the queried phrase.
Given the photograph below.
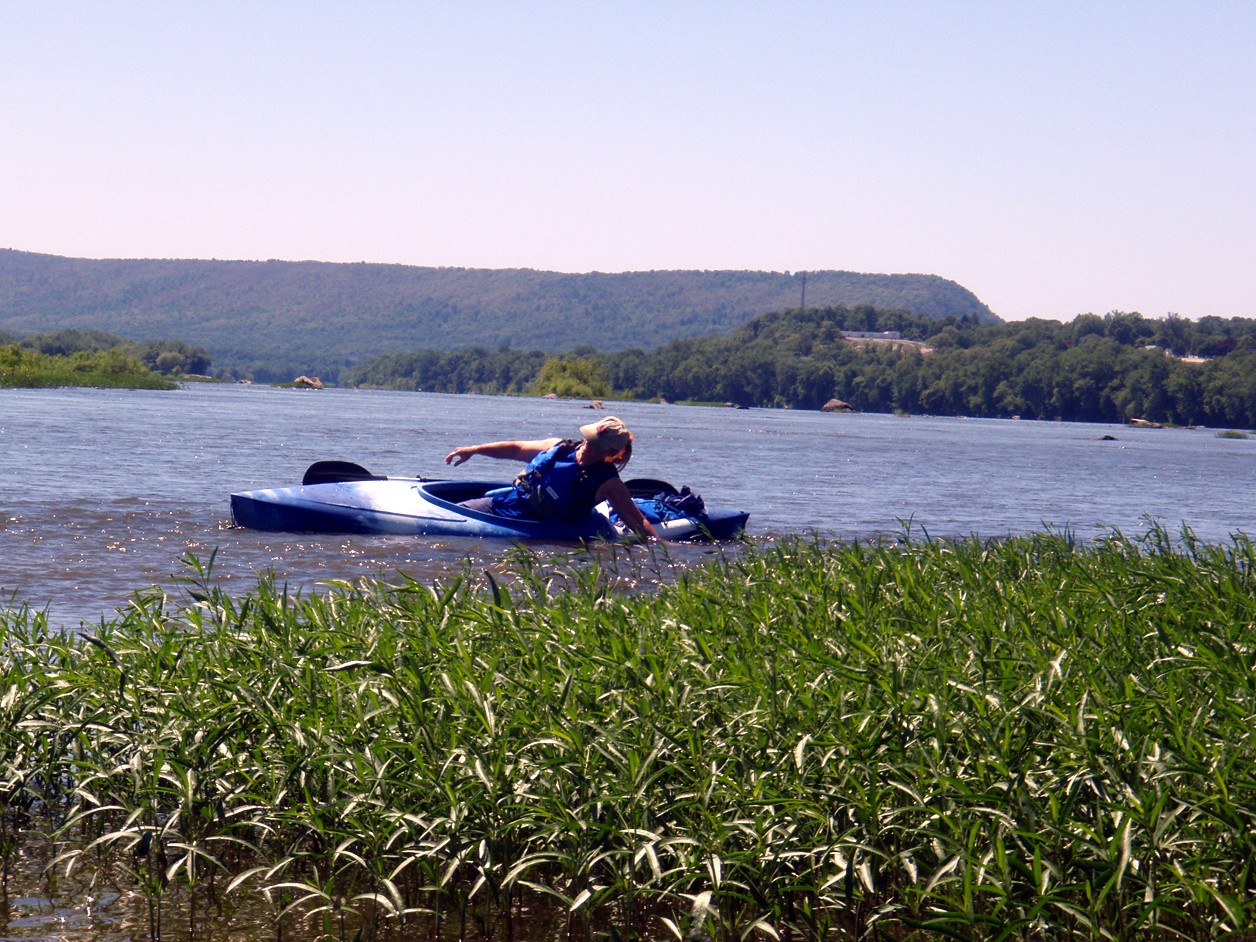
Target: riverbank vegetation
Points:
(1091, 369)
(96, 358)
(20, 367)
(1017, 740)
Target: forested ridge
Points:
(679, 336)
(272, 320)
(1112, 368)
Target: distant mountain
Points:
(289, 317)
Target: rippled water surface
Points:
(103, 492)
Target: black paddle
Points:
(331, 472)
(649, 487)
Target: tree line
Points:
(1109, 368)
(24, 368)
(167, 357)
(95, 358)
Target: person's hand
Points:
(459, 455)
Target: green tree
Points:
(573, 378)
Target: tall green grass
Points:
(1020, 739)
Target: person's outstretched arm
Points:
(514, 451)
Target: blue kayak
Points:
(338, 497)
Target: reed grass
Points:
(1020, 739)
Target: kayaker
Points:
(565, 478)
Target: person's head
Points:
(609, 440)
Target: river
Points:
(103, 492)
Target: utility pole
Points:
(803, 303)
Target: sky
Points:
(1053, 157)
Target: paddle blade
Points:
(649, 487)
(330, 472)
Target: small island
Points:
(95, 359)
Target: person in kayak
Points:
(565, 478)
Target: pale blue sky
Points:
(1053, 157)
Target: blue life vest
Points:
(553, 486)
